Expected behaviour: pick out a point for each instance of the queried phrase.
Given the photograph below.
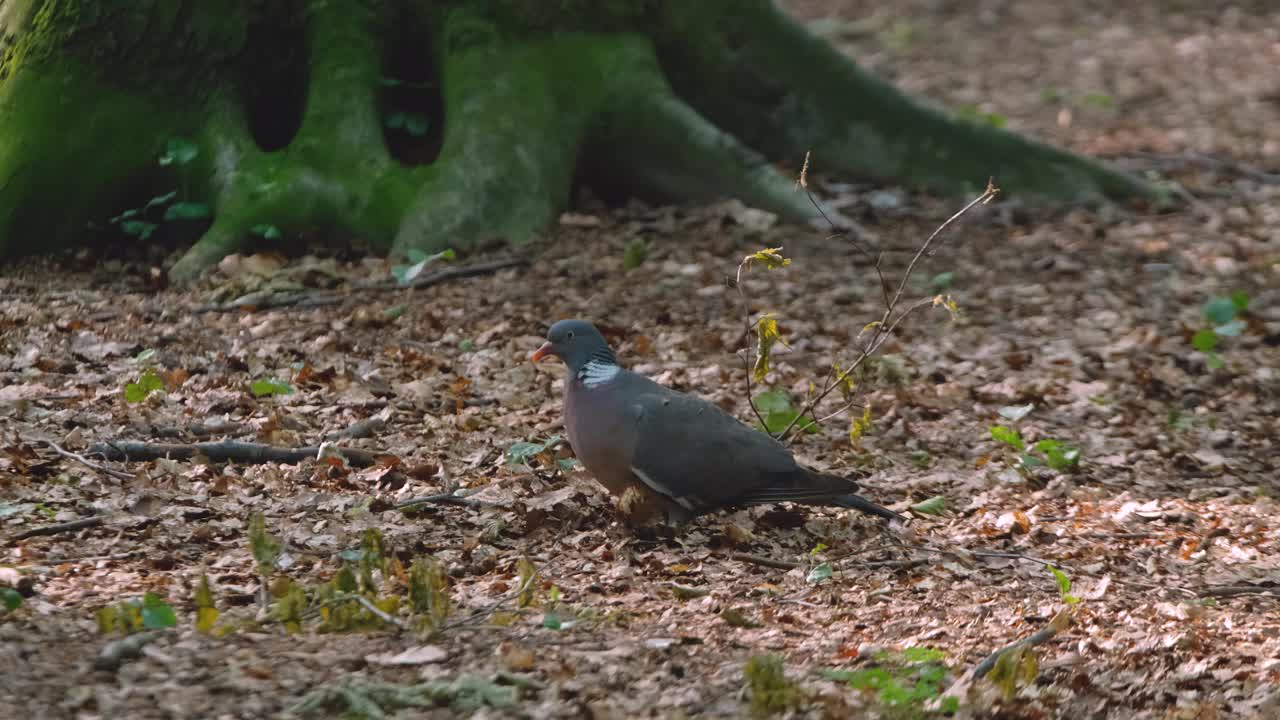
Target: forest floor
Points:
(1078, 325)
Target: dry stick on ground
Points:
(765, 561)
(59, 528)
(87, 558)
(446, 498)
(1059, 623)
(117, 474)
(1165, 160)
(884, 328)
(332, 298)
(225, 451)
(1234, 590)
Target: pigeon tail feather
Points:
(861, 504)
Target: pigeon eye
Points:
(569, 336)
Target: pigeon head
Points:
(578, 344)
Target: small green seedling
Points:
(636, 253)
(147, 381)
(1064, 586)
(1223, 316)
(1056, 454)
(903, 681)
(10, 599)
(778, 412)
(150, 612)
(265, 387)
(521, 453)
(772, 693)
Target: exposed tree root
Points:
(524, 110)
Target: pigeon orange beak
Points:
(547, 350)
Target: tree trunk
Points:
(403, 124)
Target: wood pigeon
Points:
(670, 456)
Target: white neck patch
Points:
(597, 372)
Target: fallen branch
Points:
(59, 528)
(765, 561)
(1166, 160)
(1234, 590)
(1059, 623)
(440, 499)
(87, 558)
(117, 474)
(224, 451)
(308, 300)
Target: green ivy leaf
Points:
(1205, 340)
(819, 572)
(522, 452)
(138, 228)
(1064, 582)
(269, 386)
(1240, 300)
(776, 408)
(187, 211)
(1059, 455)
(942, 280)
(158, 200)
(266, 231)
(156, 613)
(923, 655)
(147, 383)
(1220, 310)
(1231, 329)
(935, 505)
(1008, 436)
(179, 151)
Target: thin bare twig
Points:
(1234, 590)
(88, 558)
(746, 345)
(117, 474)
(1040, 637)
(59, 528)
(224, 451)
(884, 328)
(765, 561)
(333, 298)
(446, 498)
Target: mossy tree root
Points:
(518, 116)
(755, 72)
(524, 111)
